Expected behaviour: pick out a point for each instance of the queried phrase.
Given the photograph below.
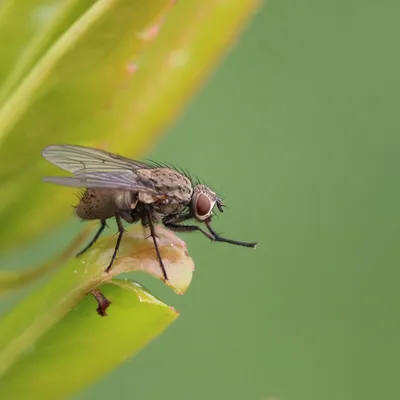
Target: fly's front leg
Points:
(219, 238)
(171, 223)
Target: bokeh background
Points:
(298, 130)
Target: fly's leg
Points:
(186, 228)
(151, 235)
(173, 226)
(96, 236)
(154, 237)
(102, 301)
(219, 238)
(121, 231)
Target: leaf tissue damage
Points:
(137, 253)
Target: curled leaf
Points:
(137, 253)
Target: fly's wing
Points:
(76, 159)
(94, 168)
(104, 180)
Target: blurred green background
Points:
(298, 131)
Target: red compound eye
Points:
(203, 205)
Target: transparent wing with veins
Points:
(76, 159)
(95, 168)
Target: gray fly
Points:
(133, 191)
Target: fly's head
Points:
(203, 201)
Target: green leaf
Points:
(82, 346)
(31, 27)
(56, 333)
(70, 94)
(15, 279)
(95, 76)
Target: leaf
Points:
(31, 27)
(83, 346)
(15, 279)
(56, 333)
(104, 82)
(63, 98)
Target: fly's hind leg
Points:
(121, 231)
(96, 236)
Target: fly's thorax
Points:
(168, 182)
(202, 202)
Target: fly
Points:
(134, 191)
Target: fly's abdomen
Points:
(96, 204)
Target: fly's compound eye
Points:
(203, 206)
